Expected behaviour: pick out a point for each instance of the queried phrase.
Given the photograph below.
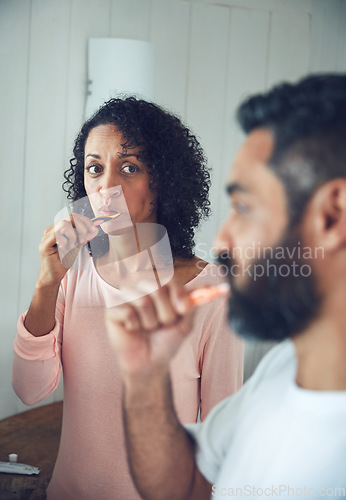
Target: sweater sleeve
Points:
(221, 358)
(37, 367)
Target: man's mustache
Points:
(224, 259)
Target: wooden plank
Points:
(14, 34)
(206, 95)
(170, 23)
(289, 47)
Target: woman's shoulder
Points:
(186, 270)
(208, 274)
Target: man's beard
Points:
(274, 306)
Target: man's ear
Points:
(328, 214)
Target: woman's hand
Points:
(59, 247)
(147, 332)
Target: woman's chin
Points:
(113, 229)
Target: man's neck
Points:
(321, 354)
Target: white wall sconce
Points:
(119, 66)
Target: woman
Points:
(134, 159)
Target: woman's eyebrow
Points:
(120, 156)
(127, 155)
(94, 155)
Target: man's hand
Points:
(147, 332)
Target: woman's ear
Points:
(327, 214)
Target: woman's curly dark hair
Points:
(174, 159)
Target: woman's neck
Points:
(122, 246)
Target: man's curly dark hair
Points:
(308, 121)
(173, 156)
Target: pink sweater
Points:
(91, 462)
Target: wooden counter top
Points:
(34, 436)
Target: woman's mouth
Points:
(108, 212)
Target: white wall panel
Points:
(205, 107)
(328, 25)
(14, 35)
(289, 47)
(46, 101)
(87, 19)
(170, 22)
(130, 19)
(284, 6)
(341, 59)
(247, 73)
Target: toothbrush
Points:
(206, 294)
(97, 221)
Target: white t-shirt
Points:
(273, 439)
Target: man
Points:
(284, 433)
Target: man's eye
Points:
(238, 207)
(241, 208)
(94, 169)
(130, 169)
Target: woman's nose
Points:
(109, 193)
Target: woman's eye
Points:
(94, 169)
(130, 169)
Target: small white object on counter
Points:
(14, 468)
